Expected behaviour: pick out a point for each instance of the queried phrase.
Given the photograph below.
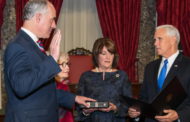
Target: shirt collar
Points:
(172, 58)
(32, 35)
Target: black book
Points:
(96, 104)
(169, 98)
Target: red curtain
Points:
(19, 5)
(2, 5)
(176, 12)
(120, 21)
(185, 34)
(19, 9)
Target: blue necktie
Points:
(162, 75)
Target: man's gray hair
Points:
(171, 31)
(34, 6)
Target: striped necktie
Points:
(162, 75)
(41, 46)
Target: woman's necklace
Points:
(103, 72)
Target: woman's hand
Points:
(87, 112)
(133, 112)
(65, 82)
(111, 107)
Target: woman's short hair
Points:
(63, 57)
(97, 49)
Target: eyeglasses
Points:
(64, 64)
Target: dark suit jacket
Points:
(31, 90)
(181, 69)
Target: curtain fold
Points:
(2, 6)
(185, 35)
(120, 21)
(79, 24)
(19, 5)
(176, 12)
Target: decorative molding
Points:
(79, 51)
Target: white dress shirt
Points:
(32, 35)
(171, 60)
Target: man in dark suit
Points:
(166, 43)
(29, 73)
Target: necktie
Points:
(41, 46)
(162, 75)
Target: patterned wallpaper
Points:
(8, 30)
(146, 52)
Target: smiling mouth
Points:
(107, 61)
(66, 72)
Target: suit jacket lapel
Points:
(29, 43)
(173, 71)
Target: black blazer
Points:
(30, 85)
(181, 69)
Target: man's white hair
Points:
(34, 6)
(171, 31)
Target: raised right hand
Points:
(55, 45)
(89, 110)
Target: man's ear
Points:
(173, 40)
(38, 17)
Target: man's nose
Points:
(53, 25)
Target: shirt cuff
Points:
(136, 119)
